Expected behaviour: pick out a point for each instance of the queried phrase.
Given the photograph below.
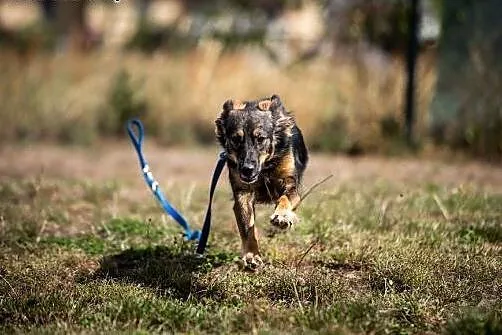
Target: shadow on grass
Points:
(342, 266)
(171, 271)
(486, 232)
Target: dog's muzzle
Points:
(249, 173)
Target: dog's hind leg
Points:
(245, 216)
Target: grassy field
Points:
(401, 253)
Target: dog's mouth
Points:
(249, 179)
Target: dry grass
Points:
(363, 260)
(67, 97)
(387, 246)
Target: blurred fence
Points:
(466, 111)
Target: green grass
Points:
(365, 258)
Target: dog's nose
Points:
(248, 170)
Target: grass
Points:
(77, 99)
(365, 258)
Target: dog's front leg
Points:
(284, 216)
(244, 214)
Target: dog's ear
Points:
(264, 105)
(230, 105)
(275, 103)
(270, 104)
(221, 121)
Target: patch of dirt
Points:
(118, 162)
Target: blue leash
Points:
(137, 141)
(222, 160)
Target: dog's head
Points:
(249, 132)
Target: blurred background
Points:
(72, 72)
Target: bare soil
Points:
(118, 162)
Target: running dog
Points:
(266, 160)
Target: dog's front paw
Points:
(283, 218)
(252, 261)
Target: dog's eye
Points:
(236, 140)
(260, 139)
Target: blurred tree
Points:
(48, 10)
(68, 20)
(143, 6)
(124, 103)
(234, 23)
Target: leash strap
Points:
(207, 220)
(137, 141)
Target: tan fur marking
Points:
(264, 105)
(286, 166)
(232, 157)
(283, 203)
(243, 200)
(251, 221)
(239, 105)
(250, 245)
(246, 224)
(263, 157)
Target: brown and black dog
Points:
(266, 160)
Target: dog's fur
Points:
(266, 160)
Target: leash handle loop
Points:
(137, 140)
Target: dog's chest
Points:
(269, 188)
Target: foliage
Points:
(124, 104)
